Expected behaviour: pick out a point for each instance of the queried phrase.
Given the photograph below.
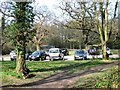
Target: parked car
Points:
(65, 51)
(80, 54)
(108, 51)
(93, 51)
(47, 52)
(55, 53)
(13, 55)
(37, 55)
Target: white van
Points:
(55, 53)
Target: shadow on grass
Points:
(71, 66)
(65, 73)
(31, 75)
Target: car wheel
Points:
(51, 59)
(85, 58)
(12, 59)
(75, 58)
(45, 58)
(26, 58)
(30, 59)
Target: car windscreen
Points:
(54, 51)
(64, 50)
(13, 51)
(79, 52)
(47, 51)
(35, 53)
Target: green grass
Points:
(106, 78)
(109, 80)
(115, 51)
(43, 69)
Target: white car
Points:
(55, 53)
(13, 55)
(109, 51)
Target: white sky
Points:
(52, 6)
(49, 3)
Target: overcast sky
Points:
(51, 4)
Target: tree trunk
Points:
(37, 47)
(20, 63)
(105, 33)
(70, 45)
(73, 44)
(79, 45)
(20, 59)
(103, 28)
(104, 52)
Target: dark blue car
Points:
(37, 55)
(93, 51)
(80, 54)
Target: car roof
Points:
(79, 50)
(13, 51)
(54, 49)
(38, 51)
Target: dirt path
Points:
(63, 79)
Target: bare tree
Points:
(81, 17)
(41, 25)
(5, 15)
(41, 33)
(89, 17)
(103, 25)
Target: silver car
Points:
(55, 53)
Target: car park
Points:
(37, 55)
(55, 53)
(80, 54)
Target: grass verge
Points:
(42, 69)
(106, 78)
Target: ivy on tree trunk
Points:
(20, 32)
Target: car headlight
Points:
(76, 56)
(37, 56)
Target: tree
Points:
(90, 17)
(79, 16)
(41, 33)
(4, 8)
(20, 32)
(41, 25)
(102, 26)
